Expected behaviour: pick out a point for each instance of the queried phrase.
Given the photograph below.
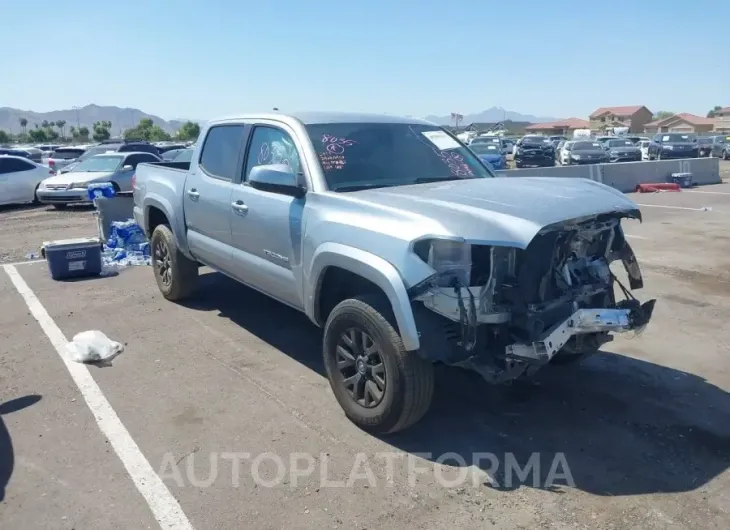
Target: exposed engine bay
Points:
(504, 311)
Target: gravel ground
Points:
(644, 426)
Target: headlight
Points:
(670, 147)
(577, 157)
(450, 259)
(78, 185)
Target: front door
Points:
(266, 226)
(207, 195)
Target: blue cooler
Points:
(683, 179)
(73, 258)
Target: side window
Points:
(132, 160)
(13, 165)
(270, 145)
(220, 151)
(148, 157)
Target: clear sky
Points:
(205, 58)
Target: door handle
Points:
(193, 194)
(239, 207)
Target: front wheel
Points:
(382, 387)
(175, 273)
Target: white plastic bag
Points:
(92, 346)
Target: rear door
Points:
(267, 226)
(207, 196)
(19, 180)
(4, 170)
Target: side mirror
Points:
(128, 167)
(276, 178)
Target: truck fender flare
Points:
(371, 267)
(178, 231)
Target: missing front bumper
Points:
(582, 321)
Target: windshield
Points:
(485, 140)
(534, 140)
(99, 163)
(370, 155)
(620, 143)
(98, 150)
(585, 146)
(485, 149)
(704, 141)
(184, 155)
(678, 138)
(67, 153)
(167, 156)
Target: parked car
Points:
(507, 146)
(622, 150)
(704, 146)
(398, 240)
(64, 156)
(185, 155)
(649, 149)
(555, 141)
(486, 140)
(169, 147)
(713, 146)
(169, 155)
(72, 187)
(676, 145)
(113, 146)
(534, 151)
(11, 151)
(582, 152)
(490, 153)
(19, 179)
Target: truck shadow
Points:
(623, 426)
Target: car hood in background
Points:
(491, 157)
(626, 149)
(78, 176)
(501, 210)
(589, 152)
(681, 145)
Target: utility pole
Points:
(78, 119)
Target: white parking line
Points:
(704, 209)
(164, 506)
(708, 192)
(29, 262)
(636, 237)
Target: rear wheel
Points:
(175, 273)
(381, 386)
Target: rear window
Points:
(67, 153)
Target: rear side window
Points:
(11, 165)
(221, 150)
(67, 153)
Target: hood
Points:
(78, 176)
(590, 152)
(502, 210)
(491, 157)
(535, 145)
(626, 149)
(683, 145)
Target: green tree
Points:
(101, 131)
(38, 135)
(83, 133)
(189, 131)
(45, 124)
(23, 124)
(61, 124)
(4, 137)
(663, 115)
(713, 112)
(146, 130)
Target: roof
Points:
(620, 111)
(311, 117)
(724, 110)
(568, 123)
(685, 116)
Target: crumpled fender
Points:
(371, 267)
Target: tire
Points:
(408, 379)
(724, 155)
(176, 274)
(35, 195)
(60, 206)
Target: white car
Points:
(20, 178)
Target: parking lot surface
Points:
(644, 426)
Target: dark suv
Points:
(534, 151)
(676, 145)
(114, 146)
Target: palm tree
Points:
(61, 124)
(44, 124)
(23, 124)
(72, 131)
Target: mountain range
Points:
(126, 118)
(492, 115)
(121, 118)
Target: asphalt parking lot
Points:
(644, 426)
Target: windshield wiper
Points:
(422, 180)
(359, 187)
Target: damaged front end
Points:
(505, 311)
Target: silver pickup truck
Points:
(396, 239)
